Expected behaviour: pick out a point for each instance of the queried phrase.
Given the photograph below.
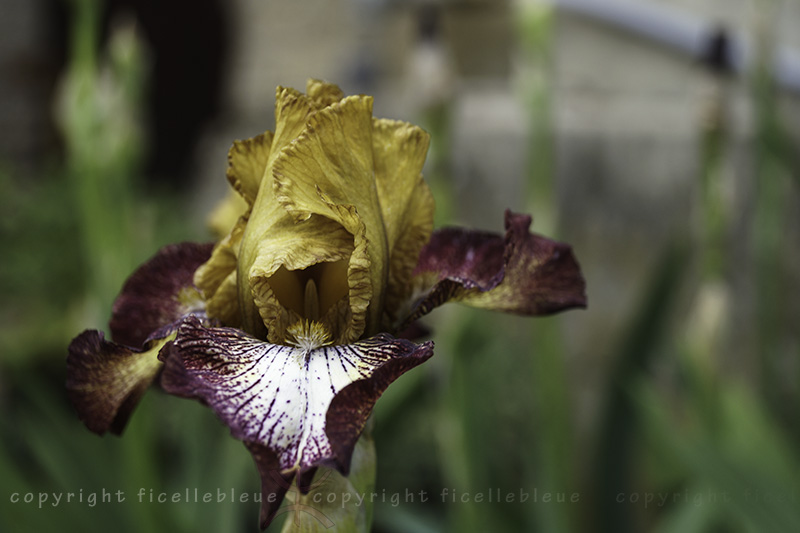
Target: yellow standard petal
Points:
(337, 220)
(226, 213)
(329, 171)
(247, 165)
(217, 278)
(280, 255)
(407, 205)
(293, 109)
(323, 93)
(247, 161)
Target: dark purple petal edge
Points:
(345, 419)
(520, 272)
(350, 409)
(105, 379)
(149, 299)
(100, 385)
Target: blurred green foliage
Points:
(491, 414)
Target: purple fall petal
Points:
(521, 273)
(307, 406)
(158, 294)
(105, 380)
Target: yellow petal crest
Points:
(323, 93)
(292, 112)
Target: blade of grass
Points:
(612, 471)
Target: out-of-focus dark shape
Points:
(679, 31)
(717, 54)
(188, 52)
(188, 46)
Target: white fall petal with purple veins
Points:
(275, 395)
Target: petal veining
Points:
(158, 293)
(106, 380)
(278, 396)
(521, 273)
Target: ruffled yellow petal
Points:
(292, 110)
(216, 277)
(287, 257)
(226, 213)
(323, 93)
(340, 193)
(329, 171)
(407, 204)
(247, 161)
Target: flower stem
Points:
(335, 502)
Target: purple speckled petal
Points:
(158, 294)
(274, 483)
(105, 380)
(307, 406)
(521, 273)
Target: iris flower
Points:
(291, 326)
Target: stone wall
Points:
(629, 119)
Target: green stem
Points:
(335, 502)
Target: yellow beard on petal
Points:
(308, 335)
